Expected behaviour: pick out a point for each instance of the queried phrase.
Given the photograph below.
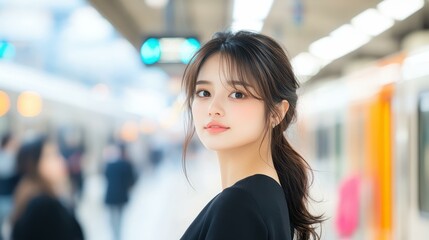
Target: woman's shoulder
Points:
(43, 200)
(261, 187)
(44, 206)
(256, 202)
(253, 208)
(259, 192)
(257, 181)
(45, 217)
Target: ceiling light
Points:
(251, 9)
(372, 22)
(399, 9)
(252, 25)
(250, 14)
(156, 3)
(321, 48)
(347, 39)
(341, 41)
(306, 64)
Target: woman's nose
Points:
(215, 108)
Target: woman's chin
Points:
(216, 147)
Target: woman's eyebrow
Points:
(235, 82)
(230, 82)
(199, 82)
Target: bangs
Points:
(238, 72)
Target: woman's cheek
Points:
(247, 111)
(197, 112)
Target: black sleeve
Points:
(236, 216)
(131, 175)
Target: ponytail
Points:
(292, 170)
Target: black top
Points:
(120, 178)
(45, 218)
(8, 185)
(253, 208)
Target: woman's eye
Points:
(237, 95)
(203, 93)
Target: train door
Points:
(379, 149)
(412, 148)
(418, 156)
(423, 162)
(370, 130)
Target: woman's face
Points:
(225, 118)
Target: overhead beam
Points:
(116, 14)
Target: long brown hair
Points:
(32, 183)
(259, 60)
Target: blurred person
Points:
(38, 212)
(72, 148)
(241, 98)
(155, 156)
(120, 178)
(8, 176)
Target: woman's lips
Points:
(214, 127)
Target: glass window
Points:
(424, 153)
(338, 140)
(322, 135)
(339, 149)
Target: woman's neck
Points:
(237, 164)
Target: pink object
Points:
(347, 218)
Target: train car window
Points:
(339, 148)
(424, 153)
(338, 140)
(323, 144)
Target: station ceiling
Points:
(295, 26)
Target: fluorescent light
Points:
(400, 9)
(250, 14)
(251, 9)
(341, 41)
(306, 64)
(158, 4)
(252, 25)
(348, 38)
(372, 22)
(322, 48)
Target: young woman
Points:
(38, 213)
(241, 96)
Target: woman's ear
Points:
(282, 108)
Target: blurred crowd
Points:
(41, 183)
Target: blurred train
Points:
(33, 101)
(366, 135)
